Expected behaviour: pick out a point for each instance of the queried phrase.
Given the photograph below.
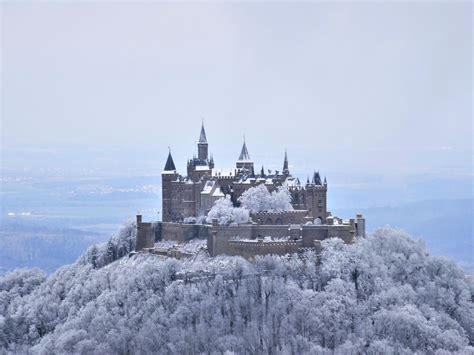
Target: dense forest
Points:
(382, 294)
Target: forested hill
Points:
(383, 294)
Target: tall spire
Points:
(285, 164)
(202, 136)
(169, 166)
(244, 154)
(262, 172)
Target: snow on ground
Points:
(191, 247)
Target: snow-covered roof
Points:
(292, 182)
(218, 193)
(202, 167)
(208, 187)
(269, 181)
(223, 172)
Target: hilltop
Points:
(382, 294)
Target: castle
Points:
(189, 197)
(193, 195)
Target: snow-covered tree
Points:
(224, 211)
(383, 294)
(258, 199)
(281, 199)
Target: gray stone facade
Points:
(249, 240)
(285, 232)
(194, 194)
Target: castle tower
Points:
(285, 170)
(244, 161)
(211, 162)
(316, 197)
(168, 177)
(202, 144)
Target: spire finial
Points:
(202, 135)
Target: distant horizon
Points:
(370, 88)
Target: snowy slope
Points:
(384, 294)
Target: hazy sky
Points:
(370, 86)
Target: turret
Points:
(316, 201)
(285, 170)
(211, 162)
(169, 166)
(316, 179)
(244, 161)
(202, 145)
(168, 176)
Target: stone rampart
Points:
(247, 239)
(249, 249)
(279, 218)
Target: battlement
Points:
(280, 212)
(258, 243)
(251, 239)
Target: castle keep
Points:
(269, 232)
(194, 194)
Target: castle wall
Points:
(249, 250)
(269, 231)
(217, 243)
(220, 240)
(146, 234)
(276, 218)
(320, 232)
(247, 239)
(182, 233)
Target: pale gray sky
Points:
(369, 86)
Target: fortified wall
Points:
(249, 240)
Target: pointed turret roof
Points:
(244, 154)
(169, 166)
(317, 178)
(285, 163)
(202, 136)
(262, 172)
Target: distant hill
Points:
(45, 247)
(445, 225)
